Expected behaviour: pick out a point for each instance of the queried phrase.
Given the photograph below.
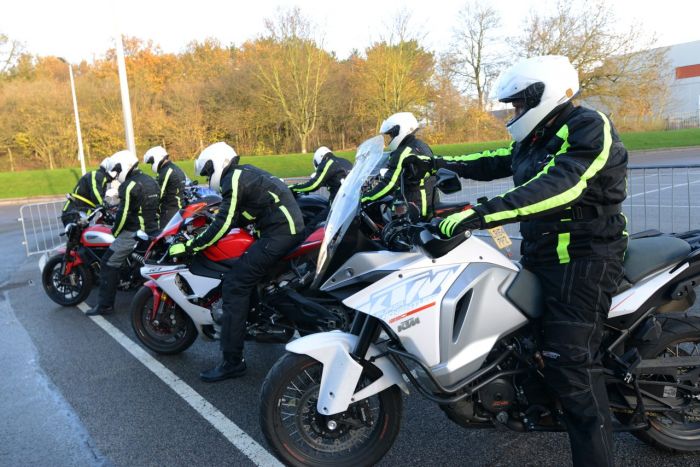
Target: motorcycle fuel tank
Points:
(97, 236)
(231, 246)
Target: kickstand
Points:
(638, 416)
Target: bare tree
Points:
(293, 70)
(612, 64)
(473, 58)
(10, 50)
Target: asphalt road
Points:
(72, 394)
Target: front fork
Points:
(367, 328)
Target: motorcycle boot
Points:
(232, 366)
(109, 280)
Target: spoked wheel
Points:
(66, 289)
(674, 430)
(300, 435)
(170, 332)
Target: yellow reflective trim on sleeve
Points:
(480, 155)
(231, 211)
(567, 196)
(563, 247)
(394, 178)
(563, 133)
(165, 182)
(248, 216)
(274, 197)
(292, 229)
(83, 199)
(95, 189)
(125, 212)
(315, 185)
(423, 199)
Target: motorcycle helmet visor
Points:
(208, 169)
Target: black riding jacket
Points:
(570, 181)
(330, 173)
(138, 204)
(260, 199)
(171, 179)
(415, 158)
(89, 191)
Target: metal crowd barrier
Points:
(662, 197)
(41, 226)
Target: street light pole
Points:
(81, 155)
(126, 104)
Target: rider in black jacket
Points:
(171, 179)
(569, 169)
(88, 193)
(330, 172)
(249, 196)
(411, 157)
(138, 204)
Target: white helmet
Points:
(106, 164)
(123, 162)
(320, 154)
(155, 156)
(212, 162)
(398, 126)
(544, 83)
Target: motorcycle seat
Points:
(650, 254)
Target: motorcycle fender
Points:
(341, 372)
(156, 296)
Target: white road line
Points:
(226, 427)
(664, 189)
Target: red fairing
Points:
(312, 243)
(231, 246)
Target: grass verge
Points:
(57, 182)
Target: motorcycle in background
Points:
(73, 270)
(182, 298)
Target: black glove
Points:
(438, 163)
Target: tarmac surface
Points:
(81, 391)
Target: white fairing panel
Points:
(200, 285)
(165, 278)
(632, 299)
(409, 300)
(341, 372)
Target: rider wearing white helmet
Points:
(171, 179)
(569, 171)
(138, 203)
(411, 158)
(88, 193)
(330, 171)
(249, 196)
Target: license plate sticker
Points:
(500, 237)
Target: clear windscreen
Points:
(369, 159)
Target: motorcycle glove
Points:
(179, 249)
(461, 221)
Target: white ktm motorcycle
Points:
(453, 318)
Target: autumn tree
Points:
(292, 69)
(619, 69)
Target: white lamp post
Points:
(126, 104)
(81, 155)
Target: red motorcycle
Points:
(182, 297)
(70, 274)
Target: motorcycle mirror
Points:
(141, 235)
(448, 181)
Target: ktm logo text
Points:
(411, 290)
(408, 324)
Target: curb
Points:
(35, 199)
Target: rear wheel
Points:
(170, 332)
(66, 289)
(301, 436)
(675, 431)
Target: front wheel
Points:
(301, 436)
(675, 431)
(66, 289)
(169, 331)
